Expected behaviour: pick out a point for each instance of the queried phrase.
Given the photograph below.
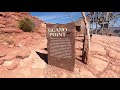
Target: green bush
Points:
(26, 24)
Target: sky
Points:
(57, 17)
(62, 17)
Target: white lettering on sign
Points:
(57, 32)
(57, 29)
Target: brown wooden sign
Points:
(61, 45)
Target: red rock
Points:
(2, 22)
(11, 19)
(23, 53)
(2, 26)
(1, 62)
(14, 64)
(112, 53)
(2, 54)
(98, 64)
(117, 56)
(8, 57)
(2, 13)
(15, 17)
(5, 43)
(10, 30)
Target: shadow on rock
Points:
(43, 56)
(45, 49)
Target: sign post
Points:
(61, 45)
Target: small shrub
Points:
(26, 24)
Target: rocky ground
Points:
(20, 60)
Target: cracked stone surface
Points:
(104, 59)
(98, 64)
(84, 73)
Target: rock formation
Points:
(10, 48)
(9, 21)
